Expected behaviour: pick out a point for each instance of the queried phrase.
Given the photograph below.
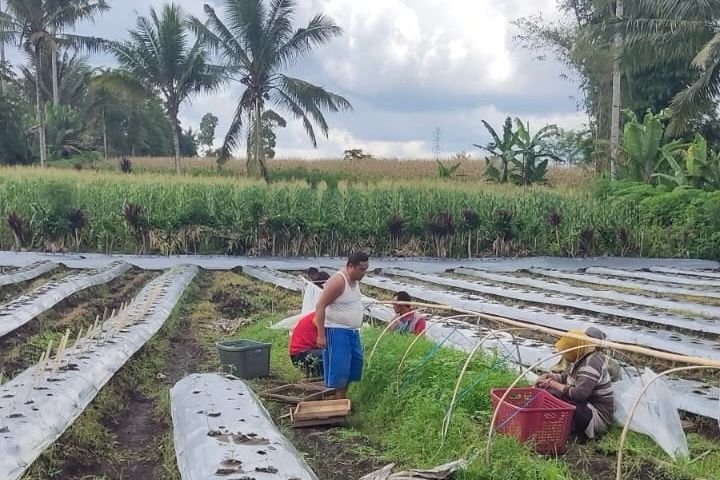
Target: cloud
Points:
(408, 67)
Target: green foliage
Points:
(13, 143)
(519, 153)
(198, 215)
(207, 130)
(63, 128)
(645, 146)
(694, 167)
(447, 171)
(574, 147)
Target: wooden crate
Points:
(320, 412)
(298, 392)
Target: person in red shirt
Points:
(303, 349)
(406, 320)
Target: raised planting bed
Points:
(29, 272)
(221, 429)
(690, 273)
(655, 277)
(38, 405)
(18, 312)
(642, 286)
(625, 300)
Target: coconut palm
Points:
(161, 60)
(257, 42)
(667, 30)
(39, 27)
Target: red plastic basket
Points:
(534, 415)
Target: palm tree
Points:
(160, 60)
(667, 30)
(257, 43)
(38, 26)
(73, 75)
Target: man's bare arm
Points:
(333, 289)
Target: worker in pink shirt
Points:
(406, 320)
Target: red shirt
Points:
(304, 335)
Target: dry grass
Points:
(374, 169)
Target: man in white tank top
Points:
(339, 316)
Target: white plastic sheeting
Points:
(24, 308)
(29, 272)
(222, 430)
(36, 410)
(655, 277)
(693, 273)
(656, 414)
(690, 396)
(641, 285)
(588, 294)
(660, 339)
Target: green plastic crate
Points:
(245, 358)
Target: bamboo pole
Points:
(618, 472)
(673, 357)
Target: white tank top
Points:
(347, 310)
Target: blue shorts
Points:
(342, 358)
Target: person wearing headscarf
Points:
(585, 383)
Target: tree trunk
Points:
(2, 60)
(39, 108)
(105, 148)
(172, 117)
(616, 98)
(55, 87)
(259, 153)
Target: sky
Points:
(409, 68)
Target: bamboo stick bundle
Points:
(60, 352)
(47, 355)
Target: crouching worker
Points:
(304, 351)
(406, 320)
(585, 383)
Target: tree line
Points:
(59, 104)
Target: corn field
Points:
(87, 211)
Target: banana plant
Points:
(695, 167)
(530, 150)
(502, 149)
(644, 148)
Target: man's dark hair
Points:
(356, 258)
(312, 271)
(403, 296)
(322, 276)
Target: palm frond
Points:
(694, 99)
(220, 39)
(283, 100)
(319, 31)
(232, 137)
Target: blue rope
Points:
(497, 363)
(426, 359)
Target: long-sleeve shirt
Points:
(588, 380)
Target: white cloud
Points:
(408, 66)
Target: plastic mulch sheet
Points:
(222, 430)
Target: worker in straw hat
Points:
(585, 383)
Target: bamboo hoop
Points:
(673, 357)
(618, 472)
(448, 415)
(385, 330)
(512, 385)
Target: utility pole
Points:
(616, 97)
